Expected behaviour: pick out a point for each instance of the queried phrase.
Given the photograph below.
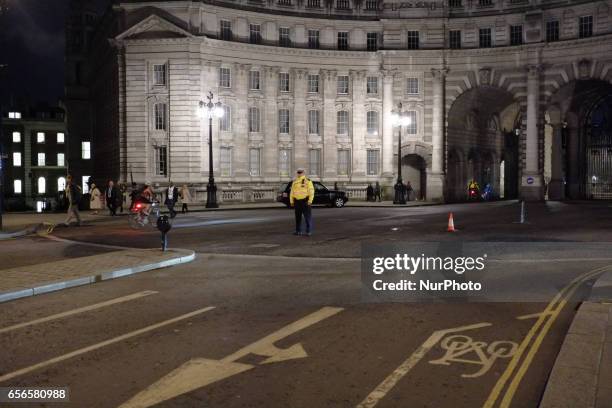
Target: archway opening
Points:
(481, 133)
(414, 171)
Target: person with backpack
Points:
(73, 195)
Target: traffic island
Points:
(19, 282)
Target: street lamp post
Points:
(211, 110)
(399, 118)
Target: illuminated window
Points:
(41, 159)
(40, 137)
(17, 186)
(16, 137)
(61, 159)
(42, 185)
(86, 150)
(17, 159)
(61, 184)
(61, 138)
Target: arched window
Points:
(61, 184)
(42, 185)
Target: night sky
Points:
(32, 44)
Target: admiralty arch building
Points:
(512, 93)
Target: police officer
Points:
(301, 196)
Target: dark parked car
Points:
(323, 195)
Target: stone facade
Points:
(480, 108)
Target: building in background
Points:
(515, 94)
(35, 142)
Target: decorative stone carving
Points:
(584, 68)
(484, 76)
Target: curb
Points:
(185, 256)
(27, 231)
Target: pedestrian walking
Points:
(73, 195)
(95, 199)
(301, 197)
(410, 196)
(172, 196)
(377, 192)
(111, 195)
(370, 193)
(185, 197)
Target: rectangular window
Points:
(85, 184)
(254, 119)
(161, 160)
(283, 81)
(413, 40)
(85, 150)
(313, 4)
(284, 37)
(373, 162)
(255, 33)
(160, 116)
(344, 161)
(343, 42)
(485, 3)
(159, 74)
(411, 128)
(484, 38)
(226, 30)
(283, 121)
(313, 39)
(342, 123)
(372, 41)
(40, 137)
(313, 122)
(455, 4)
(585, 27)
(343, 84)
(372, 123)
(371, 5)
(284, 162)
(41, 159)
(225, 122)
(42, 189)
(412, 86)
(516, 34)
(14, 115)
(313, 83)
(17, 159)
(254, 83)
(254, 162)
(225, 78)
(16, 137)
(552, 31)
(454, 38)
(314, 162)
(225, 161)
(61, 138)
(61, 159)
(17, 189)
(372, 85)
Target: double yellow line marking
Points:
(543, 324)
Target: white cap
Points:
(300, 170)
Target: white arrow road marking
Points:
(388, 383)
(87, 349)
(200, 372)
(89, 308)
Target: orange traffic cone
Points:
(451, 223)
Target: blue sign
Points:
(530, 180)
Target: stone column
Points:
(240, 126)
(435, 177)
(556, 190)
(573, 153)
(358, 128)
(330, 147)
(532, 181)
(300, 128)
(387, 128)
(270, 124)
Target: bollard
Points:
(164, 225)
(522, 212)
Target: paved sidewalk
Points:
(47, 277)
(582, 374)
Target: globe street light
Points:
(399, 118)
(210, 110)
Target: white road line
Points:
(388, 383)
(89, 308)
(87, 349)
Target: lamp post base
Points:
(211, 195)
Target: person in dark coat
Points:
(370, 193)
(172, 195)
(111, 195)
(377, 192)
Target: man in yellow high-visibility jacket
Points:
(301, 197)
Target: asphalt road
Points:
(266, 319)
